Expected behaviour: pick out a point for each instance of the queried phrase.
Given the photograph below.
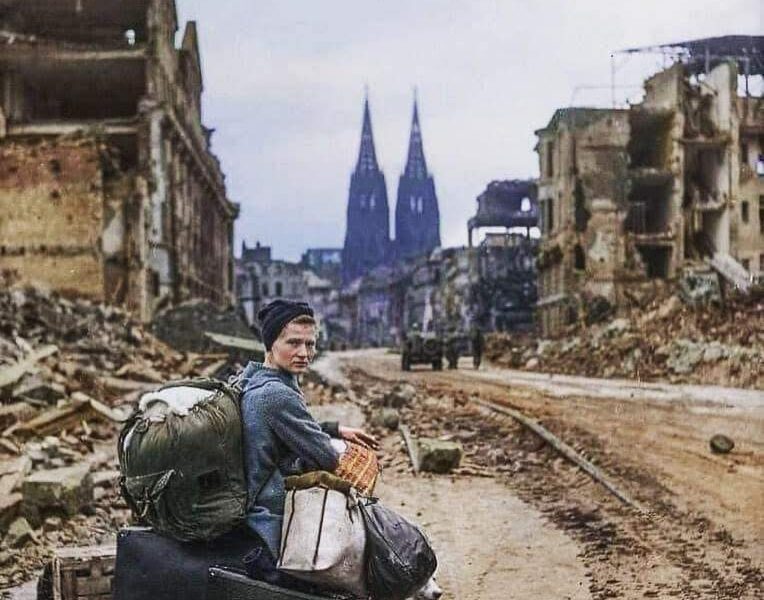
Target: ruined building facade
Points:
(108, 186)
(505, 298)
(627, 196)
(417, 218)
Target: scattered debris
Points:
(199, 326)
(662, 339)
(70, 373)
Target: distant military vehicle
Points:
(418, 348)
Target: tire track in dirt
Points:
(672, 551)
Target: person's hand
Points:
(358, 436)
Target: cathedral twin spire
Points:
(417, 219)
(367, 155)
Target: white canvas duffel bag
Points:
(323, 539)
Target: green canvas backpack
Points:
(182, 463)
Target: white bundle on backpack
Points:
(323, 539)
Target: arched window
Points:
(372, 202)
(419, 205)
(363, 201)
(412, 202)
(525, 204)
(265, 289)
(279, 288)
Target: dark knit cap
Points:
(275, 315)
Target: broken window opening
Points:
(52, 91)
(83, 22)
(549, 153)
(650, 141)
(744, 153)
(154, 283)
(550, 215)
(580, 212)
(649, 209)
(657, 261)
(579, 258)
(703, 173)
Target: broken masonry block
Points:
(400, 395)
(46, 392)
(19, 533)
(386, 417)
(438, 456)
(9, 509)
(60, 491)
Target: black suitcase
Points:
(153, 567)
(227, 585)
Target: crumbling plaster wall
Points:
(55, 227)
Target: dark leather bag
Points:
(399, 558)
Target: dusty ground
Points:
(490, 544)
(698, 537)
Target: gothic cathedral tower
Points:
(367, 237)
(417, 218)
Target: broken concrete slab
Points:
(10, 505)
(12, 473)
(386, 417)
(62, 491)
(10, 375)
(48, 392)
(400, 395)
(438, 456)
(15, 413)
(19, 533)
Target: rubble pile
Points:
(489, 445)
(665, 340)
(70, 372)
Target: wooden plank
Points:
(562, 448)
(410, 447)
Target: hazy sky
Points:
(284, 84)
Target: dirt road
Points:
(490, 544)
(699, 537)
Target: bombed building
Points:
(108, 186)
(672, 183)
(504, 298)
